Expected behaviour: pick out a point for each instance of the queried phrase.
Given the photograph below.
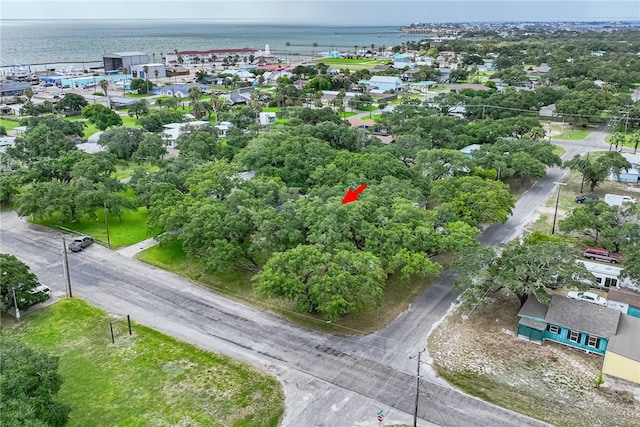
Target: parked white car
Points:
(588, 297)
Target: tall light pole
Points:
(555, 212)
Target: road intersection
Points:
(329, 380)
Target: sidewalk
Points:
(130, 251)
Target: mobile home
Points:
(607, 276)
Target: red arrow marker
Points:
(352, 195)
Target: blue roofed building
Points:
(401, 61)
(384, 83)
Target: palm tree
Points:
(199, 109)
(28, 93)
(617, 138)
(255, 102)
(536, 134)
(635, 140)
(104, 85)
(156, 73)
(216, 104)
(146, 76)
(194, 96)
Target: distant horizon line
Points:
(591, 20)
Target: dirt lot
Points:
(479, 353)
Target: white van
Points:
(617, 200)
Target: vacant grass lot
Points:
(237, 285)
(9, 124)
(147, 379)
(132, 229)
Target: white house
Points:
(384, 83)
(633, 174)
(271, 77)
(224, 128)
(173, 130)
(401, 61)
(267, 118)
(607, 276)
(138, 70)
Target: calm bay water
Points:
(75, 41)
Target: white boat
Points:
(20, 72)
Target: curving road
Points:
(329, 380)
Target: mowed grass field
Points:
(147, 379)
(132, 229)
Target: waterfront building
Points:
(118, 61)
(138, 70)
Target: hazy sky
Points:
(326, 12)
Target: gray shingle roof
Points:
(626, 342)
(583, 317)
(533, 309)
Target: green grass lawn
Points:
(573, 134)
(9, 124)
(270, 109)
(89, 129)
(132, 229)
(126, 169)
(147, 379)
(130, 122)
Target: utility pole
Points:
(555, 212)
(106, 221)
(15, 302)
(66, 268)
(586, 163)
(415, 413)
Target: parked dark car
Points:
(586, 197)
(79, 243)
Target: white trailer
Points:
(608, 276)
(617, 200)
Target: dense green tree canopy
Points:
(123, 142)
(29, 381)
(475, 200)
(41, 142)
(330, 284)
(16, 276)
(101, 116)
(518, 269)
(71, 103)
(596, 168)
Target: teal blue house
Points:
(625, 300)
(570, 322)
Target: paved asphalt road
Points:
(329, 380)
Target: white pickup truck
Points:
(617, 200)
